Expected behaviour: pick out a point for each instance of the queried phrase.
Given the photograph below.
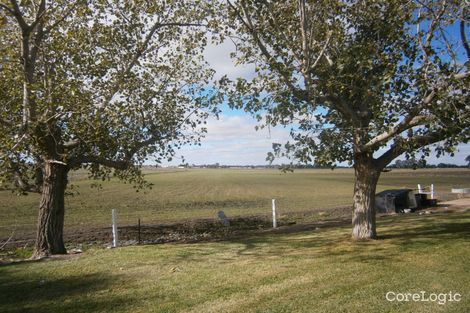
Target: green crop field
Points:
(200, 193)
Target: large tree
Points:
(361, 81)
(100, 85)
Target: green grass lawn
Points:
(310, 271)
(201, 193)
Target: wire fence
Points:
(147, 226)
(135, 227)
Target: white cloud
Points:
(218, 57)
(233, 140)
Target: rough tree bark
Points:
(49, 237)
(366, 177)
(53, 175)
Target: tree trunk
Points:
(366, 178)
(49, 238)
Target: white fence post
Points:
(115, 229)
(274, 214)
(431, 191)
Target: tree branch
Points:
(156, 136)
(39, 14)
(18, 179)
(305, 41)
(430, 32)
(141, 50)
(413, 119)
(399, 147)
(9, 10)
(39, 22)
(336, 103)
(463, 37)
(322, 52)
(462, 75)
(19, 17)
(4, 122)
(71, 144)
(247, 22)
(274, 22)
(60, 20)
(409, 122)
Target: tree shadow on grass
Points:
(281, 244)
(20, 292)
(331, 239)
(441, 231)
(439, 227)
(397, 235)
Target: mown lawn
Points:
(311, 271)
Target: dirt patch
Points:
(188, 230)
(185, 231)
(461, 203)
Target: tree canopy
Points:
(119, 80)
(358, 81)
(98, 84)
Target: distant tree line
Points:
(411, 163)
(421, 163)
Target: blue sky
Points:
(233, 140)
